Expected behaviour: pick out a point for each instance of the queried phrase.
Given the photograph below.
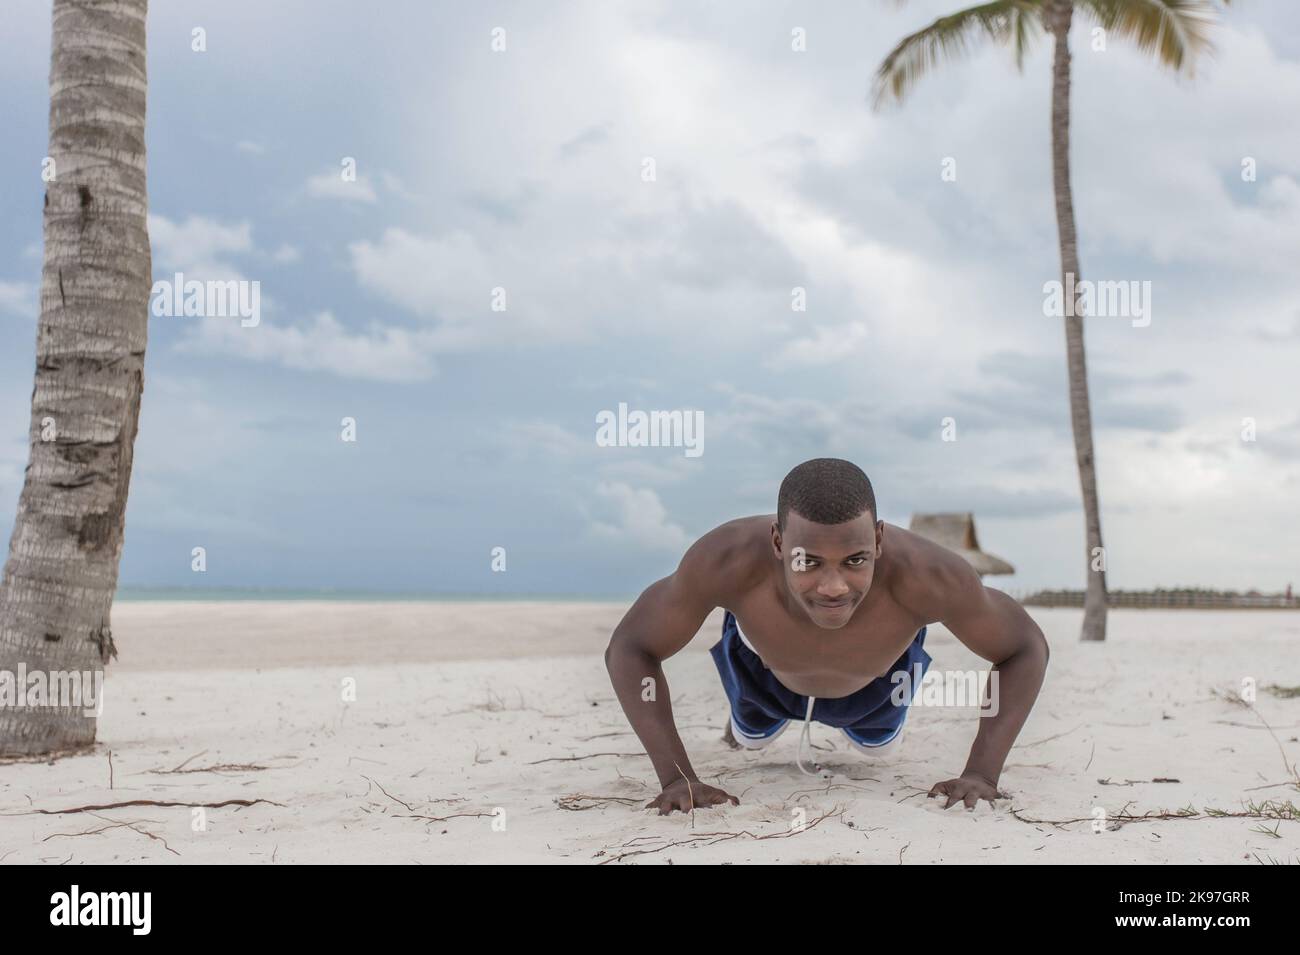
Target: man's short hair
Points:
(825, 491)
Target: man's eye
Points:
(856, 561)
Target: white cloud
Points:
(332, 185)
(448, 279)
(937, 272)
(380, 353)
(1281, 330)
(826, 345)
(442, 276)
(198, 246)
(539, 436)
(395, 185)
(248, 146)
(640, 519)
(795, 424)
(538, 440)
(1176, 192)
(18, 298)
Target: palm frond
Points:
(1173, 31)
(1025, 28)
(950, 38)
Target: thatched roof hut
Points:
(957, 533)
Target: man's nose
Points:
(832, 586)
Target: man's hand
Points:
(687, 795)
(969, 789)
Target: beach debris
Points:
(577, 802)
(570, 759)
(1269, 809)
(133, 826)
(643, 845)
(147, 802)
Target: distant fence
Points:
(1165, 599)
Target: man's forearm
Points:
(1019, 679)
(648, 708)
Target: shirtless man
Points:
(831, 602)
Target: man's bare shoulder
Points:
(729, 560)
(924, 576)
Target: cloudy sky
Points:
(523, 169)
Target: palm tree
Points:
(61, 575)
(1174, 32)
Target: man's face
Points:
(828, 567)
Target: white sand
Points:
(457, 702)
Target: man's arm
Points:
(662, 621)
(997, 628)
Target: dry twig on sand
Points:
(146, 802)
(571, 759)
(455, 815)
(1234, 697)
(1283, 692)
(216, 768)
(580, 801)
(710, 838)
(416, 815)
(1269, 809)
(400, 802)
(133, 826)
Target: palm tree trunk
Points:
(1059, 14)
(61, 574)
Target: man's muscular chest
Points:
(826, 663)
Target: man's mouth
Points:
(832, 604)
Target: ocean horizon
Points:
(132, 594)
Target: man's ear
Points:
(776, 540)
(880, 537)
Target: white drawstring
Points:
(806, 737)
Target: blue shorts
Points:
(760, 704)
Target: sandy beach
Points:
(489, 733)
